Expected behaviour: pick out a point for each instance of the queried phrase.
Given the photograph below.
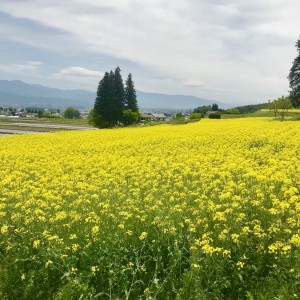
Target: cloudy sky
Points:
(235, 51)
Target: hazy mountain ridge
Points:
(7, 99)
(35, 94)
(17, 92)
(150, 100)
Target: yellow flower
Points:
(130, 264)
(95, 229)
(75, 247)
(295, 240)
(48, 263)
(4, 229)
(36, 244)
(286, 248)
(226, 252)
(143, 235)
(235, 238)
(94, 269)
(143, 268)
(240, 264)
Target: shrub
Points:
(215, 115)
(195, 116)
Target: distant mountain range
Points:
(17, 92)
(153, 100)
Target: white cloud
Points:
(30, 66)
(194, 83)
(242, 50)
(78, 77)
(78, 72)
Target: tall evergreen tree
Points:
(215, 107)
(130, 95)
(294, 78)
(113, 100)
(102, 105)
(118, 96)
(112, 114)
(109, 103)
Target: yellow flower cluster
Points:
(225, 185)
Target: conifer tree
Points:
(130, 95)
(113, 100)
(118, 97)
(294, 78)
(215, 107)
(101, 106)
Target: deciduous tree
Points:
(72, 113)
(281, 106)
(202, 109)
(130, 117)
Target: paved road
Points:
(4, 132)
(45, 125)
(7, 132)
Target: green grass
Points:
(291, 114)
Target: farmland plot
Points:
(208, 210)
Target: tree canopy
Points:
(215, 107)
(245, 109)
(112, 100)
(205, 108)
(294, 78)
(232, 111)
(202, 109)
(72, 113)
(280, 106)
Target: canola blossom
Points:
(211, 208)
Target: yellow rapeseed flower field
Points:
(209, 208)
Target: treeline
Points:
(206, 108)
(115, 105)
(213, 111)
(246, 109)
